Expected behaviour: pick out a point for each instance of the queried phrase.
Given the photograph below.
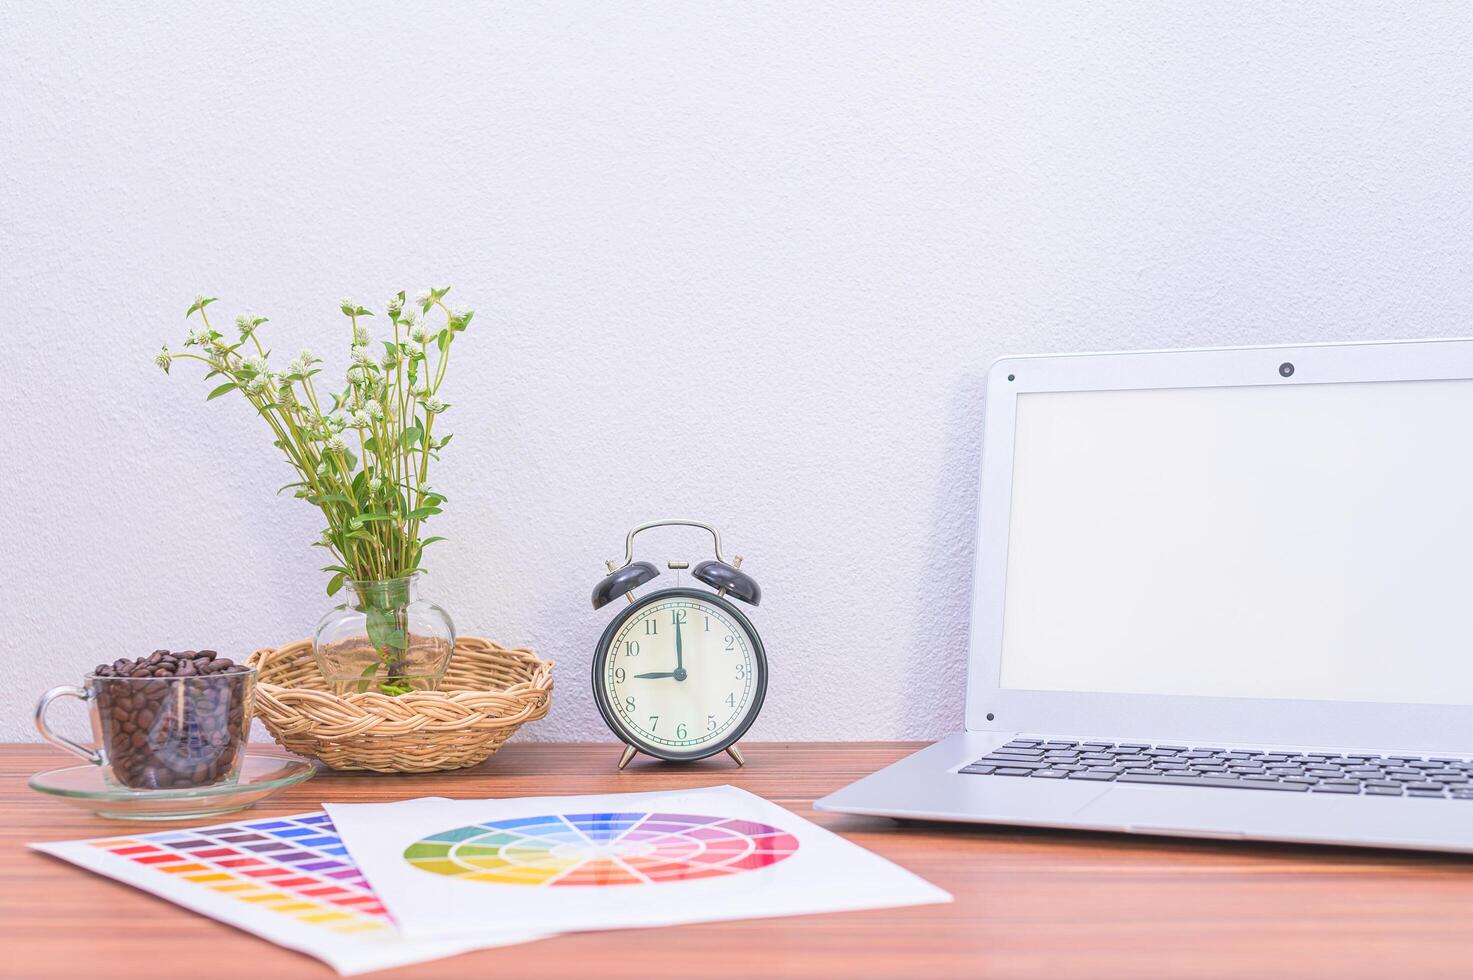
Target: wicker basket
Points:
(488, 693)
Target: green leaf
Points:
(377, 517)
(335, 583)
(227, 386)
(420, 513)
(299, 483)
(412, 435)
(326, 498)
(442, 443)
(337, 568)
(429, 541)
(383, 627)
(367, 674)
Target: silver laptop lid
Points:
(1253, 544)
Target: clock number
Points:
(730, 643)
(730, 700)
(631, 649)
(654, 722)
(629, 705)
(677, 617)
(618, 675)
(741, 672)
(651, 628)
(710, 723)
(680, 731)
(708, 624)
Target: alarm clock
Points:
(680, 673)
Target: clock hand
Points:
(662, 673)
(679, 654)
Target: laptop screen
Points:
(1306, 541)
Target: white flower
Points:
(422, 391)
(376, 485)
(257, 364)
(396, 304)
(334, 423)
(355, 375)
(390, 360)
(163, 359)
(360, 355)
(196, 337)
(322, 468)
(258, 384)
(434, 405)
(420, 334)
(327, 531)
(347, 306)
(374, 409)
(461, 312)
(358, 419)
(360, 333)
(245, 325)
(337, 445)
(422, 297)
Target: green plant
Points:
(361, 455)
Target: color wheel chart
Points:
(595, 849)
(295, 867)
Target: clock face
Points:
(680, 674)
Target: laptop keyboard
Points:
(1352, 774)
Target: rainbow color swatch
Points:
(288, 879)
(295, 867)
(594, 849)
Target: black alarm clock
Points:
(680, 673)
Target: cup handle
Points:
(65, 691)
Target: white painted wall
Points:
(745, 262)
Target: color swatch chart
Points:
(296, 867)
(595, 849)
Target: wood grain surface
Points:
(1028, 903)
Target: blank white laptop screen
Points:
(1307, 541)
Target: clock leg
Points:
(736, 754)
(629, 753)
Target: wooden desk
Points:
(1027, 903)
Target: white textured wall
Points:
(745, 262)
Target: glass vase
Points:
(384, 637)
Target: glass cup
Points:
(162, 732)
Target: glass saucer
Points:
(260, 776)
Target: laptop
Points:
(1218, 593)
